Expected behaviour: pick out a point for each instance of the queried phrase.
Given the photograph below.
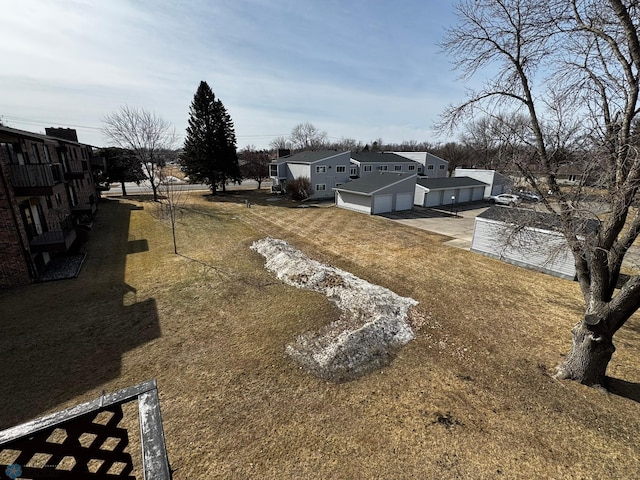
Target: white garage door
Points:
(465, 195)
(404, 201)
(478, 193)
(382, 203)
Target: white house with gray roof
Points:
(433, 192)
(325, 170)
(380, 192)
(496, 183)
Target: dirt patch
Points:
(372, 327)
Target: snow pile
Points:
(372, 327)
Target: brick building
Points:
(47, 193)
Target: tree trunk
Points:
(589, 357)
(124, 190)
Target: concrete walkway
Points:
(458, 225)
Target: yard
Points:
(470, 397)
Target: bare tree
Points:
(254, 164)
(280, 143)
(573, 68)
(146, 135)
(306, 136)
(171, 202)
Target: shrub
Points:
(300, 188)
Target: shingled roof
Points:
(374, 182)
(449, 182)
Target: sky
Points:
(362, 69)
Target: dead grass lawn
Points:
(469, 398)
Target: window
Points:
(382, 168)
(36, 153)
(429, 167)
(367, 168)
(341, 169)
(273, 170)
(47, 157)
(320, 187)
(441, 167)
(321, 169)
(412, 167)
(397, 168)
(353, 171)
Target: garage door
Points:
(404, 201)
(465, 195)
(478, 193)
(433, 198)
(382, 203)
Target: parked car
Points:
(528, 196)
(505, 199)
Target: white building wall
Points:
(533, 248)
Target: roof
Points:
(533, 219)
(379, 157)
(39, 136)
(449, 182)
(309, 156)
(370, 184)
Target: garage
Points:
(377, 193)
(434, 192)
(525, 238)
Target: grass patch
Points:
(470, 397)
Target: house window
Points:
(367, 168)
(441, 167)
(397, 168)
(429, 167)
(353, 171)
(382, 167)
(321, 187)
(412, 167)
(341, 169)
(273, 170)
(321, 169)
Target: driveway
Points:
(457, 224)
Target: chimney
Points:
(64, 133)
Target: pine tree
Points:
(209, 154)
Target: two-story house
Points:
(325, 170)
(433, 166)
(46, 191)
(371, 162)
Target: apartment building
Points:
(47, 193)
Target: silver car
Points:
(505, 199)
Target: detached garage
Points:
(377, 193)
(433, 192)
(525, 238)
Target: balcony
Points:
(85, 208)
(55, 240)
(35, 179)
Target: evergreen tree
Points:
(122, 166)
(209, 154)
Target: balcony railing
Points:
(58, 240)
(35, 179)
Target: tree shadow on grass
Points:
(63, 339)
(625, 389)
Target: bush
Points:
(300, 188)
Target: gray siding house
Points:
(381, 192)
(432, 192)
(367, 163)
(325, 169)
(433, 166)
(525, 238)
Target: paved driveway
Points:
(456, 224)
